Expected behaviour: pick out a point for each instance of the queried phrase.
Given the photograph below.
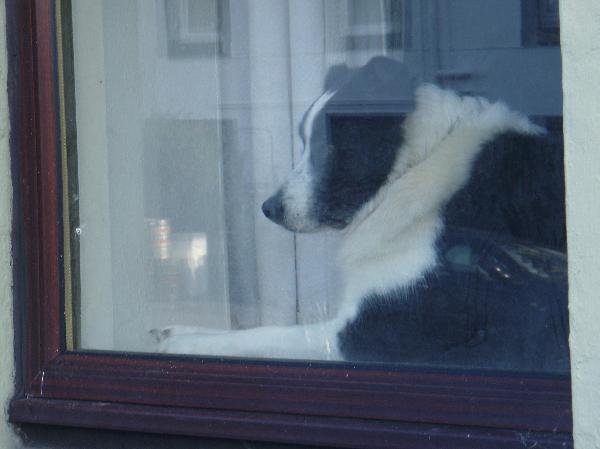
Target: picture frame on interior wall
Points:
(197, 28)
(343, 405)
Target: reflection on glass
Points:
(322, 180)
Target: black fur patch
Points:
(517, 189)
(355, 138)
(361, 152)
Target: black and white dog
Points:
(417, 287)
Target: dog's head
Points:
(351, 137)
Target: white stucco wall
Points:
(581, 62)
(580, 29)
(7, 440)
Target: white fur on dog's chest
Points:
(398, 263)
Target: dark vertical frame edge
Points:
(19, 35)
(14, 80)
(36, 206)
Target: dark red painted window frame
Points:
(344, 406)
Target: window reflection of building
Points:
(540, 23)
(197, 27)
(376, 25)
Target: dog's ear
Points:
(381, 68)
(380, 83)
(336, 77)
(386, 71)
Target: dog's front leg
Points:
(310, 342)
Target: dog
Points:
(434, 269)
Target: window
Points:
(196, 28)
(169, 178)
(380, 26)
(540, 23)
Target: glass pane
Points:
(373, 181)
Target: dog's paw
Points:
(209, 344)
(160, 335)
(183, 339)
(163, 333)
(173, 344)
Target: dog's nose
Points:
(273, 208)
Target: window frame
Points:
(288, 402)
